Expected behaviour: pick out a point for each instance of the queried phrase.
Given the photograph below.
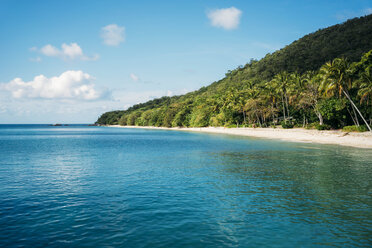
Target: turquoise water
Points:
(81, 186)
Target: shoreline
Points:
(332, 137)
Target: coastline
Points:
(333, 137)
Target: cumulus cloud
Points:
(67, 52)
(113, 34)
(74, 85)
(134, 77)
(228, 18)
(51, 51)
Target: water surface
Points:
(81, 186)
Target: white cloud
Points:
(169, 93)
(74, 85)
(67, 52)
(37, 59)
(367, 11)
(134, 77)
(228, 18)
(113, 34)
(72, 51)
(50, 50)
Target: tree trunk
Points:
(355, 116)
(286, 103)
(243, 116)
(319, 115)
(320, 118)
(258, 119)
(285, 120)
(303, 123)
(352, 103)
(347, 108)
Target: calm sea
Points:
(80, 186)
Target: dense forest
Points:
(323, 80)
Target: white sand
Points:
(362, 140)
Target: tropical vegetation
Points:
(323, 80)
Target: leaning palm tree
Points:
(337, 78)
(365, 85)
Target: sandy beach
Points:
(336, 137)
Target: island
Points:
(320, 82)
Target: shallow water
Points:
(80, 186)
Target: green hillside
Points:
(302, 83)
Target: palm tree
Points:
(271, 98)
(254, 109)
(337, 78)
(309, 95)
(237, 100)
(365, 85)
(281, 82)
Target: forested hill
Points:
(229, 101)
(350, 39)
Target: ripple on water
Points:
(93, 186)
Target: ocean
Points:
(87, 186)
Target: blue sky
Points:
(70, 61)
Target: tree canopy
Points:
(324, 77)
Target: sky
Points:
(70, 61)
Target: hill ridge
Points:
(350, 39)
